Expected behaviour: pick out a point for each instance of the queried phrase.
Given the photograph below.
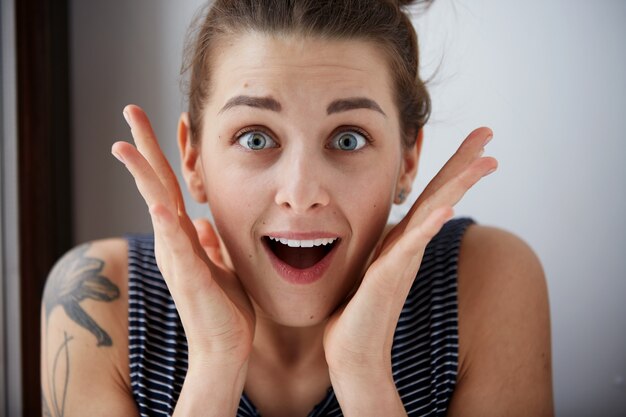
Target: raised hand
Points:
(359, 336)
(214, 309)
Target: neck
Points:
(287, 372)
(288, 347)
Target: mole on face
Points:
(245, 85)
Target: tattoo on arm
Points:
(45, 411)
(71, 281)
(61, 360)
(74, 278)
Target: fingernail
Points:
(119, 157)
(491, 171)
(487, 140)
(127, 117)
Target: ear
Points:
(191, 162)
(408, 171)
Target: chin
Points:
(300, 321)
(297, 310)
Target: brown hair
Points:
(383, 22)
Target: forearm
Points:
(368, 396)
(211, 391)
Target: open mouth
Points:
(300, 254)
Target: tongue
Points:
(300, 258)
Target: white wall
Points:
(549, 78)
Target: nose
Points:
(302, 185)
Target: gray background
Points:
(548, 77)
(10, 352)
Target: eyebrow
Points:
(269, 103)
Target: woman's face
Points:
(301, 142)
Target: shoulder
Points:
(491, 258)
(109, 253)
(504, 327)
(497, 269)
(84, 333)
(90, 276)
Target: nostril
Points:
(302, 199)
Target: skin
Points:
(281, 192)
(242, 324)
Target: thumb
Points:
(209, 241)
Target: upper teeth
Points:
(303, 243)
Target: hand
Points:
(214, 309)
(359, 336)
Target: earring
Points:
(401, 196)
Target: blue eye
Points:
(256, 141)
(349, 141)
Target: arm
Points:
(84, 336)
(84, 350)
(504, 329)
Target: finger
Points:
(207, 245)
(148, 145)
(148, 183)
(209, 241)
(153, 191)
(405, 257)
(469, 150)
(412, 242)
(194, 287)
(188, 276)
(450, 193)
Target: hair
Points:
(383, 22)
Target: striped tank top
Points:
(424, 352)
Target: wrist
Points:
(211, 389)
(368, 395)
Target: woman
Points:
(305, 125)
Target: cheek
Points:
(366, 202)
(234, 199)
(229, 185)
(370, 217)
(369, 189)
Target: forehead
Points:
(299, 69)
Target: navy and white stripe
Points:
(424, 353)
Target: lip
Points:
(296, 275)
